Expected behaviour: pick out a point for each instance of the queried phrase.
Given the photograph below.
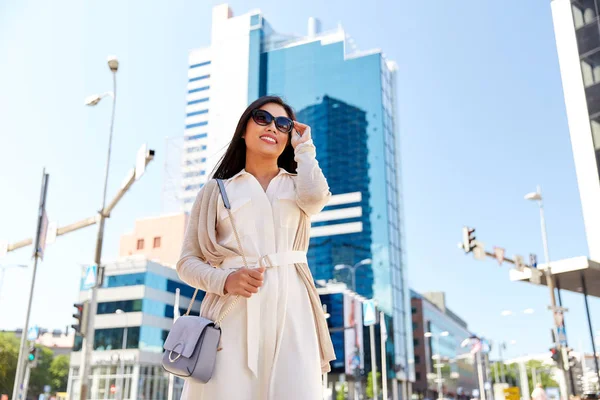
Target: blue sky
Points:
(482, 121)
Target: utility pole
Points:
(40, 238)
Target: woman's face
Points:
(266, 141)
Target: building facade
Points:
(348, 98)
(578, 46)
(458, 370)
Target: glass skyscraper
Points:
(348, 99)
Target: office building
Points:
(446, 331)
(578, 46)
(136, 306)
(348, 98)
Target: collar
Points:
(244, 172)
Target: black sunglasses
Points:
(264, 118)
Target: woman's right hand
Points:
(245, 281)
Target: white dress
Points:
(270, 347)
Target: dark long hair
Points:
(234, 159)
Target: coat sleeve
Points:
(312, 190)
(192, 267)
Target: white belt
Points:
(253, 303)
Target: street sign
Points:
(89, 280)
(559, 318)
(52, 232)
(32, 333)
(140, 163)
(533, 260)
(479, 251)
(43, 233)
(512, 393)
(369, 314)
(562, 335)
(499, 253)
(519, 263)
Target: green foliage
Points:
(512, 374)
(370, 384)
(341, 394)
(50, 370)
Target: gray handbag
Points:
(192, 344)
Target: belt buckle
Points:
(261, 261)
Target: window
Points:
(415, 342)
(413, 310)
(417, 360)
(156, 242)
(415, 326)
(418, 376)
(140, 244)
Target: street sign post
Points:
(369, 314)
(499, 253)
(89, 280)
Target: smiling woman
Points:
(274, 184)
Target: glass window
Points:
(595, 134)
(156, 242)
(415, 342)
(577, 17)
(418, 376)
(111, 307)
(417, 360)
(140, 244)
(112, 338)
(125, 280)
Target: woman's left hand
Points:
(300, 133)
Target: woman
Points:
(274, 343)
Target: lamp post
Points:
(438, 356)
(88, 340)
(537, 196)
(352, 269)
(123, 348)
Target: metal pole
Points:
(439, 369)
(123, 348)
(26, 381)
(88, 340)
(496, 374)
(550, 281)
(503, 375)
(571, 376)
(480, 373)
(589, 320)
(384, 386)
(22, 348)
(373, 360)
(534, 377)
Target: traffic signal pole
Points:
(37, 253)
(470, 244)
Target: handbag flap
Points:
(185, 333)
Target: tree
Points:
(50, 370)
(59, 372)
(513, 377)
(9, 350)
(341, 394)
(370, 384)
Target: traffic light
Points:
(556, 356)
(80, 315)
(469, 240)
(32, 357)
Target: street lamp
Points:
(438, 356)
(537, 196)
(3, 270)
(352, 269)
(88, 342)
(123, 347)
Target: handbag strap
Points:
(240, 249)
